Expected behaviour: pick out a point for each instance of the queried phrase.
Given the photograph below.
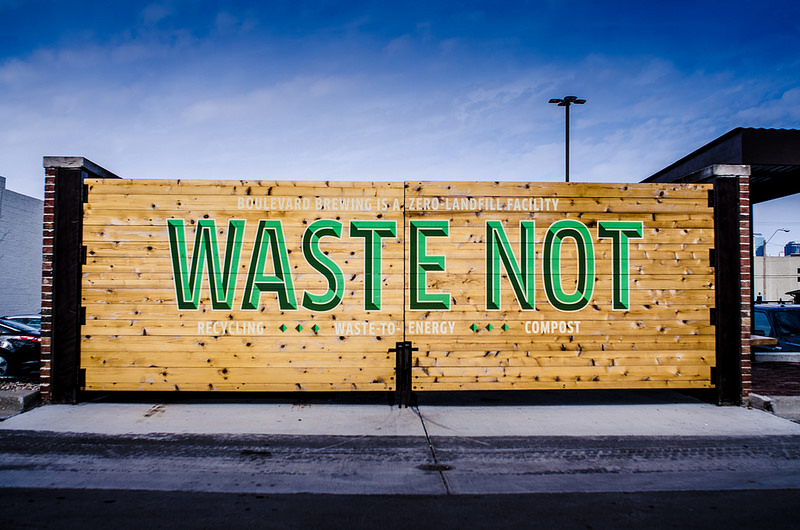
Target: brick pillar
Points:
(48, 230)
(733, 279)
(62, 237)
(746, 293)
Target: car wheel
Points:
(4, 365)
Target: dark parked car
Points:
(34, 321)
(781, 322)
(19, 349)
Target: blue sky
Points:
(390, 90)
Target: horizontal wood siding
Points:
(663, 339)
(136, 338)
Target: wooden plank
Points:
(137, 268)
(576, 206)
(550, 189)
(524, 384)
(460, 230)
(246, 188)
(507, 359)
(758, 340)
(360, 204)
(175, 375)
(146, 252)
(457, 284)
(488, 343)
(254, 360)
(123, 311)
(103, 385)
(199, 328)
(563, 372)
(120, 219)
(239, 345)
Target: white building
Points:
(782, 275)
(20, 252)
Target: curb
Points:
(13, 402)
(784, 406)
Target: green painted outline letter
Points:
(620, 232)
(421, 264)
(521, 275)
(189, 277)
(323, 264)
(281, 281)
(558, 231)
(373, 232)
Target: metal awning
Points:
(772, 154)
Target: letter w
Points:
(189, 276)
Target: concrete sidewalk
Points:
(449, 444)
(787, 407)
(466, 414)
(13, 402)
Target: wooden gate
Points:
(241, 286)
(283, 286)
(560, 286)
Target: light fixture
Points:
(565, 102)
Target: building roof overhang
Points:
(773, 156)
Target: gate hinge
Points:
(713, 315)
(712, 256)
(82, 316)
(85, 193)
(711, 198)
(83, 255)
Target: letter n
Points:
(500, 254)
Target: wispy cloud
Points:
(360, 94)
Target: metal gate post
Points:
(403, 353)
(728, 236)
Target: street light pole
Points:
(764, 265)
(566, 102)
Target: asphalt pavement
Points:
(662, 449)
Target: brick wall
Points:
(48, 231)
(61, 274)
(745, 242)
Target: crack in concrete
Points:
(439, 467)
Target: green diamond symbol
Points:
(505, 327)
(474, 327)
(283, 327)
(299, 328)
(315, 328)
(489, 327)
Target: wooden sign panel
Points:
(284, 286)
(245, 286)
(545, 286)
